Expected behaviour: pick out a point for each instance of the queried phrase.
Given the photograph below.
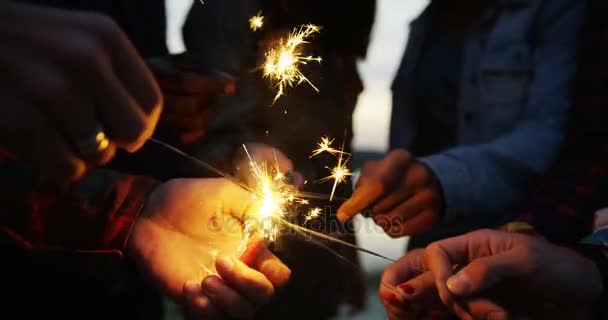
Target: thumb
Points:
(483, 273)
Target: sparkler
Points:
(340, 172)
(275, 196)
(283, 61)
(256, 22)
(313, 214)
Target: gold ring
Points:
(94, 146)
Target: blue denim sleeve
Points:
(490, 178)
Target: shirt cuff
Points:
(455, 182)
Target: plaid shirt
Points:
(562, 206)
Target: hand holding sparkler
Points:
(189, 239)
(81, 92)
(284, 60)
(490, 274)
(403, 195)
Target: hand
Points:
(264, 154)
(188, 241)
(403, 195)
(73, 90)
(408, 291)
(494, 262)
(189, 98)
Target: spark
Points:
(274, 196)
(256, 22)
(313, 214)
(339, 173)
(283, 61)
(325, 146)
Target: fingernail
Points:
(408, 289)
(192, 287)
(210, 286)
(459, 284)
(225, 263)
(393, 298)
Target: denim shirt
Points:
(515, 95)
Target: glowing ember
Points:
(339, 173)
(283, 62)
(313, 214)
(274, 195)
(324, 146)
(256, 22)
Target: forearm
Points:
(97, 213)
(492, 177)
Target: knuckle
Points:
(402, 155)
(82, 52)
(104, 27)
(481, 270)
(53, 88)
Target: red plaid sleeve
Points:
(94, 215)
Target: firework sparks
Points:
(313, 214)
(274, 194)
(283, 62)
(325, 146)
(256, 22)
(339, 173)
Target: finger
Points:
(227, 299)
(248, 282)
(376, 180)
(480, 308)
(75, 118)
(260, 258)
(391, 201)
(396, 227)
(441, 256)
(64, 107)
(27, 134)
(420, 201)
(421, 289)
(364, 196)
(410, 265)
(197, 305)
(130, 68)
(122, 117)
(483, 273)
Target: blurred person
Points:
(321, 282)
(565, 206)
(45, 93)
(480, 104)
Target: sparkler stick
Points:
(283, 61)
(336, 240)
(201, 163)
